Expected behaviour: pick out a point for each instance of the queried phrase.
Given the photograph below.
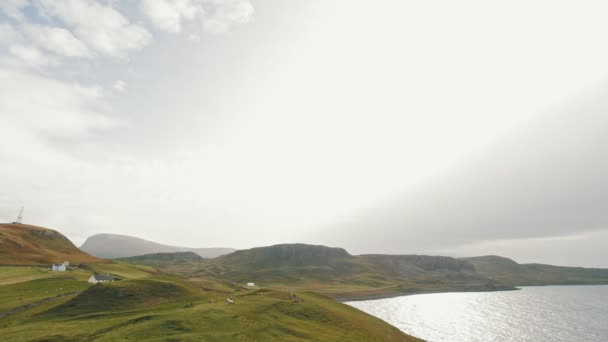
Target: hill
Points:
(160, 307)
(336, 273)
(121, 246)
(508, 271)
(156, 259)
(22, 244)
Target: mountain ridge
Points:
(110, 246)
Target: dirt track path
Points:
(34, 304)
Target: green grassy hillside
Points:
(164, 308)
(22, 244)
(147, 304)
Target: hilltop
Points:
(122, 246)
(163, 258)
(22, 244)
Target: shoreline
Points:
(403, 294)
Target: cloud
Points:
(8, 35)
(194, 37)
(217, 16)
(168, 15)
(220, 15)
(13, 8)
(101, 27)
(120, 86)
(46, 108)
(57, 40)
(32, 56)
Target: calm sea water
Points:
(550, 313)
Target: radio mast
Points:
(19, 217)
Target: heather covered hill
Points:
(122, 246)
(22, 244)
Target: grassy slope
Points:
(16, 295)
(155, 307)
(22, 244)
(39, 305)
(166, 308)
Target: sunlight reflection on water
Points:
(551, 314)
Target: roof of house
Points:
(103, 276)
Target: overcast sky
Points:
(459, 128)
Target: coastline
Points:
(403, 294)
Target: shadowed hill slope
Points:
(122, 246)
(22, 244)
(163, 258)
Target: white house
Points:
(60, 268)
(101, 278)
(251, 284)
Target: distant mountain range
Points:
(508, 271)
(23, 244)
(122, 246)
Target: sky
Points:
(398, 127)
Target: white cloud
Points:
(47, 108)
(57, 40)
(101, 27)
(194, 37)
(120, 86)
(217, 16)
(32, 56)
(220, 15)
(168, 15)
(8, 35)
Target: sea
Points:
(539, 314)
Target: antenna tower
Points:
(19, 217)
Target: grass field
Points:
(266, 316)
(150, 306)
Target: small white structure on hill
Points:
(101, 278)
(60, 268)
(251, 284)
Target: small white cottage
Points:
(60, 268)
(101, 278)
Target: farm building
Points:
(251, 284)
(60, 267)
(101, 278)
